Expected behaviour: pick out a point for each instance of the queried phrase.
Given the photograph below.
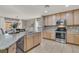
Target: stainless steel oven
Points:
(61, 35)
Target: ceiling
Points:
(32, 11)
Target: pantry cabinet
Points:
(76, 17)
(70, 18)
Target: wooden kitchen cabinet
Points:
(50, 20)
(53, 20)
(49, 35)
(45, 20)
(70, 18)
(53, 35)
(28, 42)
(12, 49)
(73, 38)
(36, 39)
(76, 17)
(63, 16)
(76, 39)
(44, 34)
(70, 38)
(58, 16)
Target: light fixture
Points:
(45, 11)
(46, 8)
(66, 5)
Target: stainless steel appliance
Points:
(61, 35)
(61, 31)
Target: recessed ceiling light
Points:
(45, 11)
(66, 5)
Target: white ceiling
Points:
(32, 11)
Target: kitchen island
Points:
(8, 42)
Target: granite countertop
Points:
(7, 40)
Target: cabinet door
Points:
(53, 35)
(58, 17)
(63, 16)
(76, 17)
(76, 39)
(70, 38)
(12, 49)
(46, 21)
(50, 20)
(36, 39)
(29, 42)
(69, 18)
(40, 37)
(45, 34)
(53, 20)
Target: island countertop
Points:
(7, 40)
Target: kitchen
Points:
(56, 30)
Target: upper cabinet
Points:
(58, 17)
(62, 16)
(69, 18)
(76, 17)
(50, 20)
(53, 19)
(45, 20)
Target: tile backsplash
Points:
(74, 29)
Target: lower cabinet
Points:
(37, 38)
(49, 35)
(12, 49)
(76, 39)
(70, 38)
(73, 38)
(28, 42)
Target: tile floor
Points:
(48, 46)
